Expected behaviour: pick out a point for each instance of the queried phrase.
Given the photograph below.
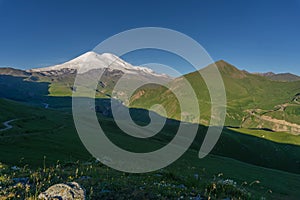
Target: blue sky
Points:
(258, 36)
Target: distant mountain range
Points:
(281, 76)
(270, 101)
(61, 77)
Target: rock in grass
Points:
(68, 191)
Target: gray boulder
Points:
(68, 191)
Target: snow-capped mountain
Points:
(118, 78)
(92, 60)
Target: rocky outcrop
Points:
(68, 191)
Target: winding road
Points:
(7, 125)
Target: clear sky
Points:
(258, 36)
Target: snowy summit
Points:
(92, 60)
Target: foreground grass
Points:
(52, 134)
(213, 177)
(101, 182)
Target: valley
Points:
(35, 140)
(261, 129)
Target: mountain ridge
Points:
(285, 77)
(91, 60)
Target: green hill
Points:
(247, 94)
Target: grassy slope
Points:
(38, 132)
(49, 130)
(52, 134)
(244, 91)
